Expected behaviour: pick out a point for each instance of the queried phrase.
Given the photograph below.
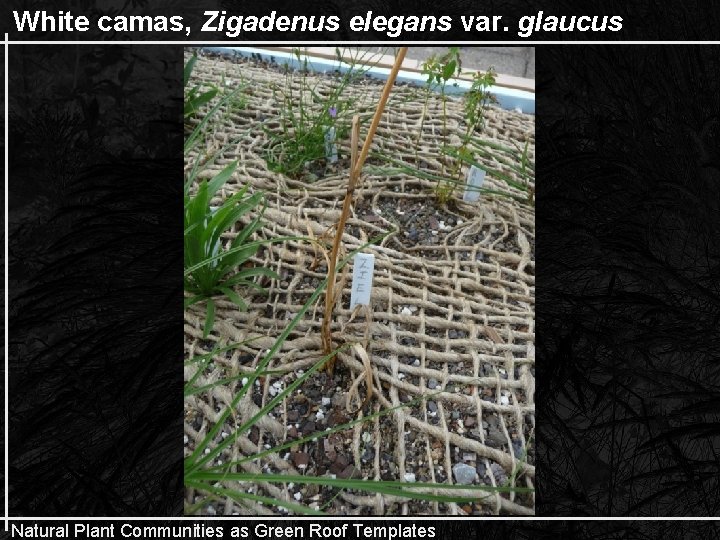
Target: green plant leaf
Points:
(448, 70)
(209, 318)
(404, 489)
(219, 179)
(189, 301)
(235, 297)
(241, 496)
(188, 69)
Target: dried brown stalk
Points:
(356, 163)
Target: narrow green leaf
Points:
(219, 180)
(209, 318)
(235, 297)
(240, 496)
(188, 69)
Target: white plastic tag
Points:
(363, 266)
(331, 152)
(475, 179)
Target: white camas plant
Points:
(210, 270)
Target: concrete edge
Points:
(509, 98)
(410, 65)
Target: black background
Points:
(486, 529)
(95, 262)
(628, 299)
(642, 19)
(628, 291)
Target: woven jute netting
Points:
(449, 332)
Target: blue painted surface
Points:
(508, 98)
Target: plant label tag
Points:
(363, 266)
(331, 152)
(475, 179)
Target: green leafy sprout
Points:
(195, 98)
(475, 101)
(223, 269)
(310, 114)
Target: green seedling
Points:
(475, 102)
(311, 115)
(439, 71)
(204, 226)
(195, 98)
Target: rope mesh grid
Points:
(450, 328)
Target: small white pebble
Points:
(210, 510)
(434, 233)
(401, 376)
(378, 211)
(291, 485)
(409, 477)
(272, 391)
(297, 496)
(244, 381)
(207, 451)
(459, 221)
(326, 401)
(441, 224)
(416, 362)
(319, 415)
(224, 435)
(405, 311)
(186, 439)
(504, 400)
